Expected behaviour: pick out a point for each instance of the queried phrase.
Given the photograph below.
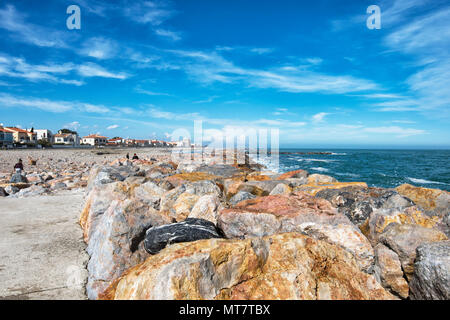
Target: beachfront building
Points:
(130, 142)
(21, 136)
(69, 139)
(6, 138)
(95, 140)
(116, 141)
(44, 134)
(142, 143)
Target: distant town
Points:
(13, 137)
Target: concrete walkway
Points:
(42, 254)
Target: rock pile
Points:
(161, 230)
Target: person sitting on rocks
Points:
(135, 157)
(128, 156)
(19, 166)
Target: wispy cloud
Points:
(113, 126)
(394, 130)
(319, 117)
(149, 12)
(23, 31)
(171, 35)
(94, 70)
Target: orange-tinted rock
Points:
(313, 188)
(258, 178)
(429, 199)
(293, 174)
(180, 178)
(320, 178)
(299, 212)
(284, 266)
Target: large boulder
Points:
(431, 278)
(284, 266)
(116, 243)
(298, 212)
(358, 204)
(388, 270)
(191, 229)
(300, 174)
(320, 178)
(206, 208)
(241, 196)
(18, 178)
(404, 239)
(381, 218)
(434, 200)
(314, 188)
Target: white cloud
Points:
(75, 125)
(172, 35)
(317, 118)
(148, 12)
(261, 50)
(20, 30)
(100, 48)
(114, 126)
(94, 70)
(394, 130)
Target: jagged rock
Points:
(434, 200)
(114, 244)
(157, 238)
(221, 170)
(34, 178)
(320, 178)
(301, 174)
(267, 186)
(11, 189)
(206, 208)
(284, 266)
(431, 278)
(182, 178)
(150, 193)
(280, 188)
(381, 218)
(183, 205)
(388, 270)
(405, 238)
(32, 191)
(18, 178)
(3, 193)
(298, 212)
(241, 196)
(295, 182)
(187, 167)
(313, 188)
(232, 187)
(358, 204)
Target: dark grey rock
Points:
(431, 278)
(358, 203)
(18, 178)
(191, 229)
(241, 196)
(3, 193)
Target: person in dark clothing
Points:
(135, 157)
(128, 156)
(19, 165)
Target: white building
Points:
(95, 140)
(44, 134)
(66, 139)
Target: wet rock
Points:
(404, 239)
(157, 238)
(298, 212)
(241, 196)
(206, 208)
(320, 178)
(284, 266)
(431, 278)
(388, 270)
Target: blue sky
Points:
(312, 69)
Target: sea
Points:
(378, 168)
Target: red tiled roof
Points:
(94, 136)
(18, 130)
